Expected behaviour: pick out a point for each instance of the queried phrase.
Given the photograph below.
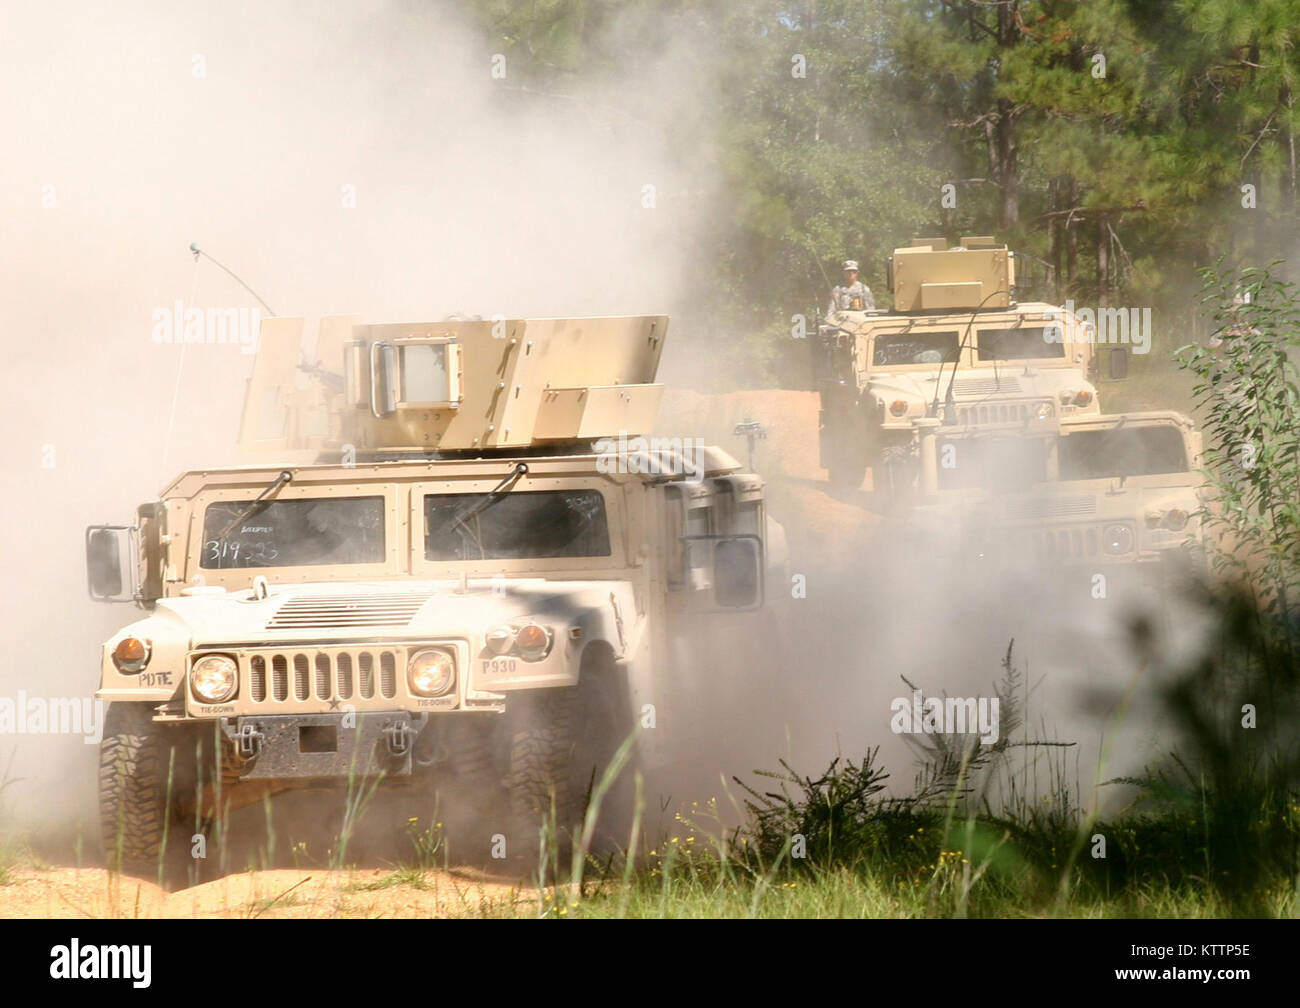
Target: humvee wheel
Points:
(847, 475)
(848, 467)
(894, 478)
(561, 741)
(135, 809)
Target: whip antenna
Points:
(194, 247)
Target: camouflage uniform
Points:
(842, 297)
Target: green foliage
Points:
(1247, 386)
(1138, 161)
(1218, 823)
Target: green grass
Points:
(979, 867)
(1213, 831)
(845, 891)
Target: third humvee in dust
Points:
(958, 347)
(1119, 493)
(458, 560)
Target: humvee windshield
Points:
(915, 348)
(1000, 464)
(1122, 451)
(1018, 344)
(518, 525)
(294, 533)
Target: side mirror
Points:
(383, 380)
(1118, 363)
(738, 564)
(110, 565)
(731, 565)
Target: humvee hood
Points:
(973, 385)
(328, 612)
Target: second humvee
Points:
(957, 347)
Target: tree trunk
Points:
(1007, 169)
(1071, 235)
(1103, 261)
(1290, 146)
(1056, 244)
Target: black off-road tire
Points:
(474, 760)
(543, 733)
(561, 741)
(135, 809)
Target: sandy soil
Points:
(94, 893)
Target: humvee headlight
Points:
(431, 673)
(533, 642)
(1175, 519)
(898, 407)
(1082, 397)
(1066, 396)
(500, 640)
(1118, 539)
(131, 654)
(213, 678)
(1044, 411)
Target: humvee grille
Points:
(322, 675)
(1065, 544)
(1052, 507)
(1072, 543)
(994, 413)
(325, 611)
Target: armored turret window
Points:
(424, 373)
(294, 533)
(1127, 451)
(1025, 343)
(519, 525)
(915, 348)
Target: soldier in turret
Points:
(853, 294)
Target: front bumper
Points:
(323, 746)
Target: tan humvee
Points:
(1108, 491)
(956, 347)
(465, 564)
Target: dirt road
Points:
(94, 893)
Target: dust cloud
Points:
(364, 159)
(357, 158)
(880, 601)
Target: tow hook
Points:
(249, 740)
(399, 737)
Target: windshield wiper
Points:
(493, 495)
(948, 401)
(462, 520)
(284, 477)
